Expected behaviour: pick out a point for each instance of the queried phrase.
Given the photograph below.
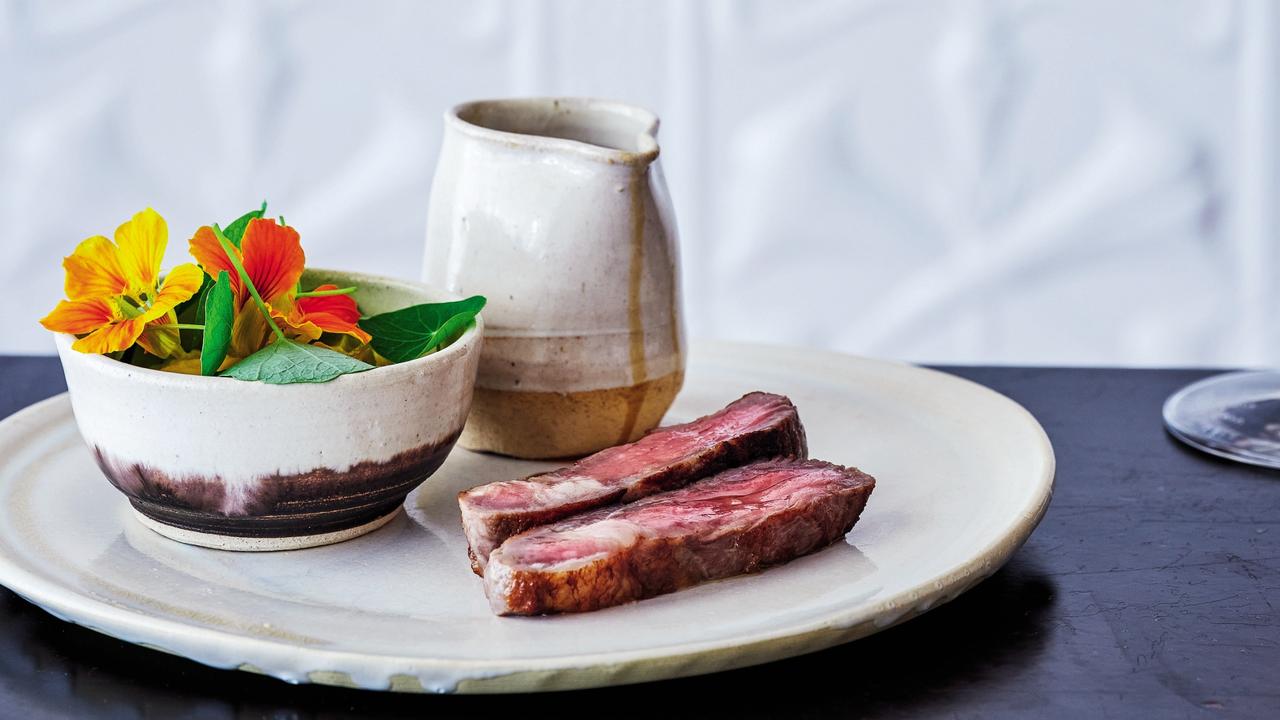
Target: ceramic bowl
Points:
(250, 466)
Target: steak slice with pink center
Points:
(755, 427)
(740, 521)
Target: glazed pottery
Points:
(556, 210)
(965, 474)
(250, 466)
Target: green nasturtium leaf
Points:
(285, 361)
(235, 231)
(402, 335)
(219, 317)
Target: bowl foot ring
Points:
(261, 544)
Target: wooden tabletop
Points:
(1150, 589)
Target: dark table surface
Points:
(1149, 590)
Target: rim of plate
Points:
(1185, 433)
(139, 628)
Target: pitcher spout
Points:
(600, 130)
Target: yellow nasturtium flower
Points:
(114, 297)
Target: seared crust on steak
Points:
(755, 427)
(740, 521)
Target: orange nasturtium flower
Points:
(310, 316)
(112, 296)
(272, 257)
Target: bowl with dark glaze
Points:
(237, 465)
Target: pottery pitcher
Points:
(556, 210)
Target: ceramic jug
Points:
(556, 211)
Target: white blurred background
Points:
(1069, 182)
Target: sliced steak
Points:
(755, 427)
(739, 521)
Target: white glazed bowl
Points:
(249, 466)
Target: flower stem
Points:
(230, 250)
(327, 293)
(187, 326)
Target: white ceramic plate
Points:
(963, 476)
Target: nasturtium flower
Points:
(272, 257)
(310, 316)
(114, 294)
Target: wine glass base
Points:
(1234, 415)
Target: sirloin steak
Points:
(739, 521)
(755, 427)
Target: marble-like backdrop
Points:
(1063, 182)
